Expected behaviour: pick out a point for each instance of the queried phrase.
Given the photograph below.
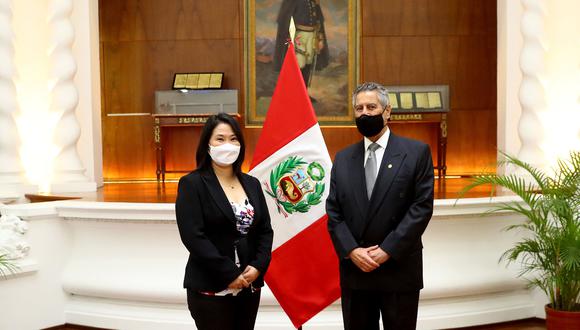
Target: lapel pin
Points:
(390, 166)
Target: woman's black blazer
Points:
(207, 227)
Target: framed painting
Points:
(327, 49)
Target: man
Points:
(310, 39)
(380, 201)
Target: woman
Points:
(223, 221)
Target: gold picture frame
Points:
(331, 86)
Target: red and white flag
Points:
(293, 165)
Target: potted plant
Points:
(550, 252)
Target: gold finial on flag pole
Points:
(292, 29)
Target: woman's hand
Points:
(239, 283)
(250, 274)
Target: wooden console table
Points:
(168, 121)
(441, 120)
(424, 104)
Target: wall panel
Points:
(130, 20)
(403, 42)
(428, 17)
(128, 149)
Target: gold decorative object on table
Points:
(407, 117)
(203, 81)
(192, 80)
(406, 100)
(422, 100)
(434, 99)
(393, 99)
(180, 81)
(215, 80)
(198, 80)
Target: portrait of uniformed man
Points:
(310, 40)
(323, 33)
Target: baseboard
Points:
(68, 326)
(440, 313)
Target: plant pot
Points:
(561, 320)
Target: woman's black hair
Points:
(202, 156)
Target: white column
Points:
(85, 20)
(12, 180)
(509, 75)
(10, 170)
(549, 125)
(532, 91)
(69, 172)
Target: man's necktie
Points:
(371, 169)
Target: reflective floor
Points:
(153, 192)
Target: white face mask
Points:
(225, 154)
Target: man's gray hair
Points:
(370, 86)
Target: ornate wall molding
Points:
(12, 242)
(64, 94)
(11, 171)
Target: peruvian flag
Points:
(292, 163)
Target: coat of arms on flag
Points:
(296, 185)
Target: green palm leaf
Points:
(7, 266)
(550, 253)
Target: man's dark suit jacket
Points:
(396, 216)
(207, 227)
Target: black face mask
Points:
(370, 125)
